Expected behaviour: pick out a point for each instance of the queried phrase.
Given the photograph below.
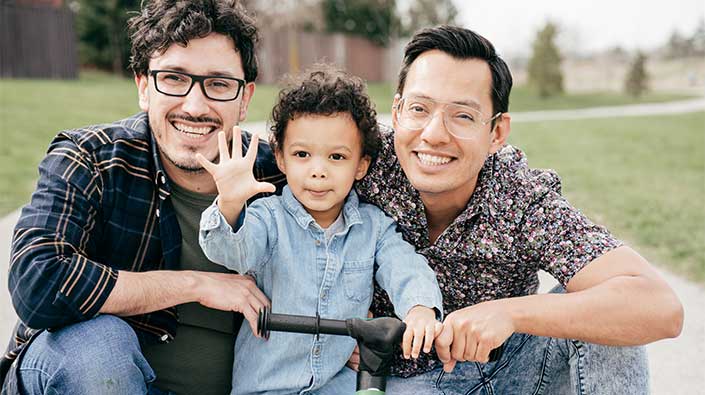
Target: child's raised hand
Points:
(421, 329)
(233, 174)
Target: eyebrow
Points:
(469, 103)
(216, 73)
(297, 144)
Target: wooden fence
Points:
(40, 42)
(288, 51)
(37, 42)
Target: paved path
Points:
(677, 365)
(632, 110)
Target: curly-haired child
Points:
(316, 249)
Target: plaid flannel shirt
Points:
(101, 205)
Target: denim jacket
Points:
(283, 247)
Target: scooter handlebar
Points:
(380, 333)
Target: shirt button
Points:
(163, 179)
(164, 338)
(324, 295)
(316, 351)
(318, 242)
(157, 212)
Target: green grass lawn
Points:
(643, 178)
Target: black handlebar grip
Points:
(268, 321)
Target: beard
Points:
(186, 159)
(189, 166)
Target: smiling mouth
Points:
(193, 131)
(317, 193)
(433, 160)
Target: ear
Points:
(247, 92)
(500, 133)
(362, 167)
(142, 91)
(395, 107)
(279, 157)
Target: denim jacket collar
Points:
(304, 219)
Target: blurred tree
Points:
(637, 80)
(679, 46)
(101, 26)
(698, 40)
(544, 71)
(428, 13)
(376, 20)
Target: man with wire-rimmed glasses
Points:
(113, 291)
(487, 223)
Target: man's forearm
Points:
(145, 292)
(624, 310)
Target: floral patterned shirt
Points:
(515, 224)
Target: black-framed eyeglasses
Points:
(464, 122)
(214, 87)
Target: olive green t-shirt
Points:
(200, 358)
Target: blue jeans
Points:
(539, 365)
(98, 356)
(529, 365)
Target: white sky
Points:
(585, 25)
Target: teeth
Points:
(192, 130)
(432, 160)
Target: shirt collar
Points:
(351, 211)
(484, 191)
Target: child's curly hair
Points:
(326, 90)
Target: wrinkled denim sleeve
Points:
(244, 249)
(403, 273)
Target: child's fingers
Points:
(430, 335)
(265, 187)
(406, 342)
(205, 163)
(417, 343)
(251, 154)
(237, 142)
(223, 147)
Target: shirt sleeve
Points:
(403, 273)
(52, 280)
(561, 239)
(244, 249)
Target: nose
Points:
(196, 102)
(318, 169)
(436, 132)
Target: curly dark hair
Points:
(326, 90)
(162, 23)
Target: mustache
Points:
(194, 119)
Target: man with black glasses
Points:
(112, 229)
(487, 223)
